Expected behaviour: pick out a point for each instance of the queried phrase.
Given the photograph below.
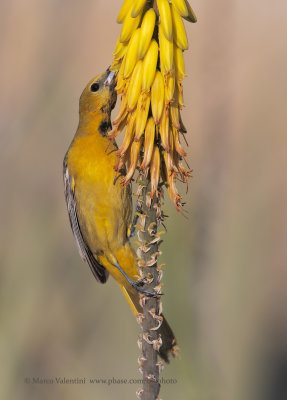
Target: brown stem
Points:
(151, 340)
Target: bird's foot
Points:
(140, 282)
(138, 286)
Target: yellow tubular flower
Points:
(132, 54)
(124, 10)
(191, 17)
(122, 110)
(165, 18)
(142, 114)
(154, 170)
(178, 147)
(181, 7)
(157, 97)
(180, 94)
(179, 64)
(120, 50)
(121, 163)
(174, 112)
(168, 163)
(149, 66)
(169, 88)
(129, 135)
(121, 81)
(147, 29)
(148, 143)
(166, 51)
(118, 128)
(164, 130)
(134, 156)
(179, 36)
(135, 86)
(129, 26)
(137, 7)
(180, 99)
(172, 191)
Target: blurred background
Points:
(226, 277)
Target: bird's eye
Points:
(95, 87)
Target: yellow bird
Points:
(100, 209)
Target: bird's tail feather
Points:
(169, 345)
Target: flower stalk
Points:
(151, 318)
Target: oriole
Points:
(100, 209)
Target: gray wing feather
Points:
(99, 271)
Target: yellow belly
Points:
(104, 208)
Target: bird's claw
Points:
(140, 282)
(138, 286)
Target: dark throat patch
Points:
(105, 126)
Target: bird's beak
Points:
(111, 78)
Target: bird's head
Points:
(99, 96)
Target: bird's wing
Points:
(99, 271)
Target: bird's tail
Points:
(169, 345)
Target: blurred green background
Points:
(225, 279)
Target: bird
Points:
(99, 207)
